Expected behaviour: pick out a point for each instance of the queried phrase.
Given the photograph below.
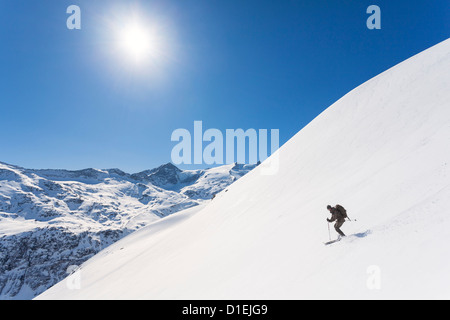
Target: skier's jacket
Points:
(336, 215)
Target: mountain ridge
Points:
(51, 219)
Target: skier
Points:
(337, 216)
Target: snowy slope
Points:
(53, 219)
(381, 151)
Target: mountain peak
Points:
(168, 166)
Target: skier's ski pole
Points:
(329, 233)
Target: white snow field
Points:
(382, 151)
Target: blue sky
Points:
(71, 99)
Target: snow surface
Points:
(382, 151)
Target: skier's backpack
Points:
(342, 210)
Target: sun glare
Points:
(138, 42)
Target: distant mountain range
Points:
(53, 219)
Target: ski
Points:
(332, 241)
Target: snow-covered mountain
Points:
(53, 219)
(382, 151)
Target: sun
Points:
(138, 42)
